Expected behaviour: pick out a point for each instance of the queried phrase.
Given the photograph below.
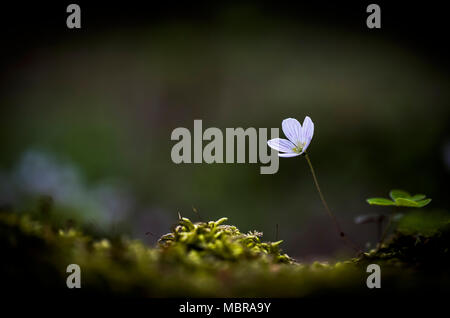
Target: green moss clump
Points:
(212, 242)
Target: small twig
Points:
(198, 213)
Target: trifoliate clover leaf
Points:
(401, 198)
(406, 202)
(423, 203)
(380, 201)
(418, 197)
(396, 193)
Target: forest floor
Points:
(212, 259)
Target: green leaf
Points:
(418, 197)
(396, 193)
(380, 201)
(423, 203)
(406, 202)
(277, 243)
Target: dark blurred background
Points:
(86, 115)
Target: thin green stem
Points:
(322, 198)
(325, 204)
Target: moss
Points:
(424, 223)
(210, 259)
(411, 248)
(212, 242)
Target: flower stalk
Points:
(331, 214)
(322, 198)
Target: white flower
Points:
(299, 137)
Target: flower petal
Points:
(292, 129)
(282, 145)
(290, 154)
(307, 132)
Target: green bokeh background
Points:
(106, 101)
